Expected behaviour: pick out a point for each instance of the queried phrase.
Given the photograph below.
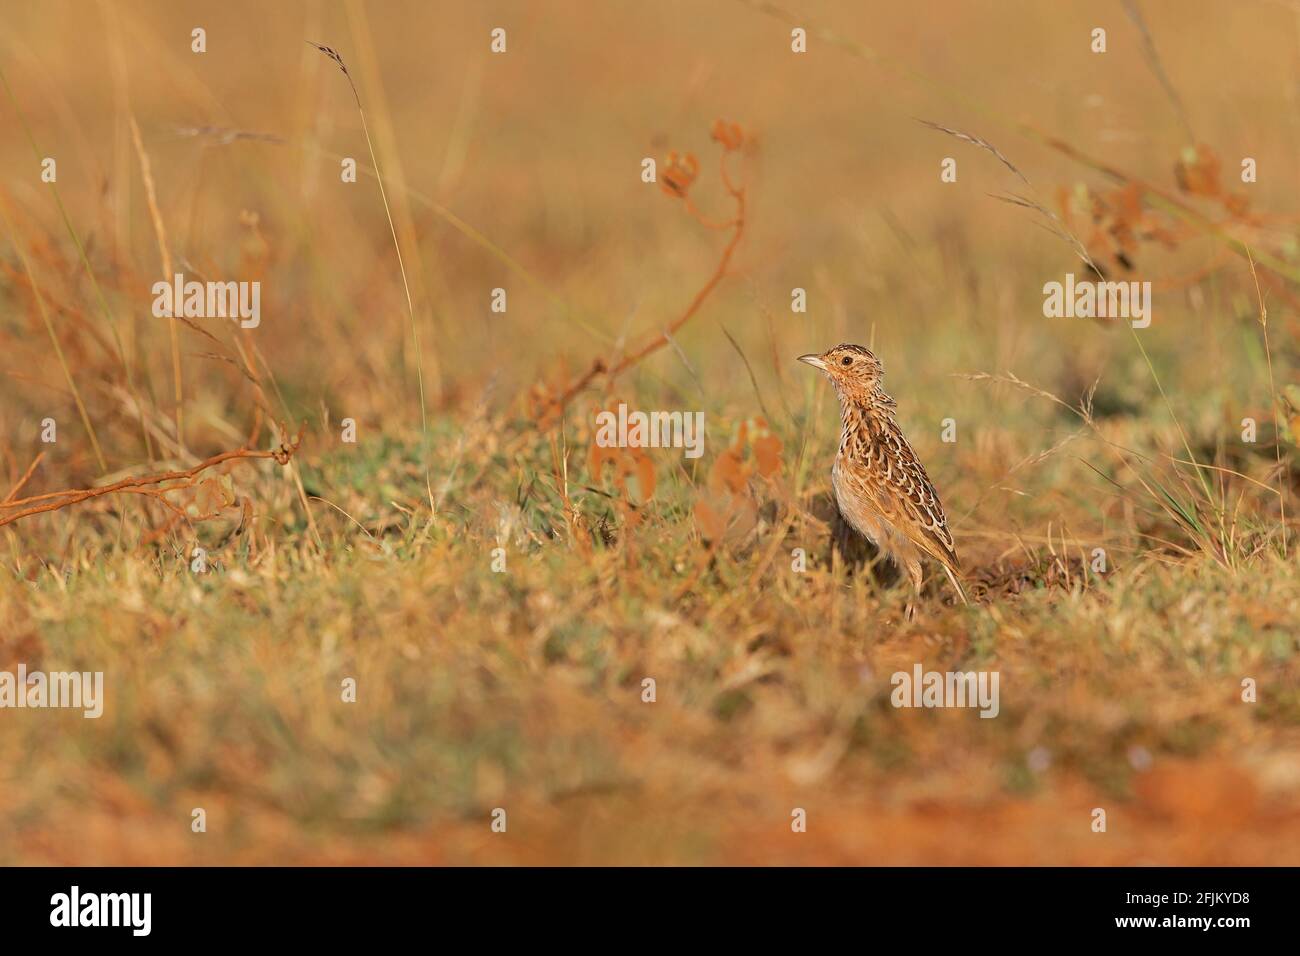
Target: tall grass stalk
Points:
(401, 265)
(90, 272)
(54, 340)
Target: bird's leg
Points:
(914, 572)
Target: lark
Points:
(880, 485)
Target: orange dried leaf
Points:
(711, 524)
(597, 457)
(1197, 171)
(638, 465)
(728, 135)
(679, 173)
(728, 472)
(767, 455)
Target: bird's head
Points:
(854, 371)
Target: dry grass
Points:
(523, 689)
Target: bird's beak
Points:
(814, 360)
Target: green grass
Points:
(523, 689)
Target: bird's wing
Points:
(888, 474)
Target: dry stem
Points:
(56, 500)
(599, 366)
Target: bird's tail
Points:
(956, 584)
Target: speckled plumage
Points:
(881, 487)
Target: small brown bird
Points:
(880, 486)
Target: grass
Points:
(523, 690)
(380, 561)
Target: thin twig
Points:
(56, 500)
(24, 479)
(599, 366)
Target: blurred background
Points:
(522, 171)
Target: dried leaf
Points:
(712, 525)
(1197, 171)
(679, 173)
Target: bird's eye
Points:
(848, 360)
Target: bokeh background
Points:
(522, 171)
(539, 150)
